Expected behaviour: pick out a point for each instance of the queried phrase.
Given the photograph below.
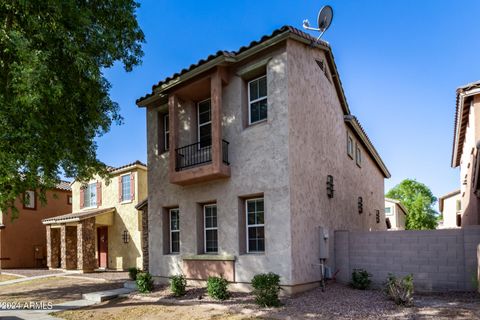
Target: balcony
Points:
(197, 154)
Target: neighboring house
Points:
(466, 155)
(251, 153)
(450, 206)
(104, 229)
(22, 241)
(395, 214)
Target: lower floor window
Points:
(211, 228)
(174, 231)
(255, 225)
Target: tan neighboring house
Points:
(466, 155)
(450, 205)
(22, 241)
(104, 229)
(395, 214)
(254, 160)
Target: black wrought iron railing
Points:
(198, 153)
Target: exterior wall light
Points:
(330, 189)
(125, 237)
(377, 215)
(360, 205)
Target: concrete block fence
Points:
(440, 260)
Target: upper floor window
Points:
(90, 195)
(257, 100)
(255, 225)
(126, 190)
(458, 205)
(358, 156)
(69, 199)
(204, 123)
(388, 211)
(29, 201)
(350, 145)
(166, 132)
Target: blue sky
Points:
(399, 61)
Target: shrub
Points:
(144, 282)
(266, 288)
(400, 290)
(217, 288)
(361, 279)
(177, 285)
(132, 273)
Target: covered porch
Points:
(79, 240)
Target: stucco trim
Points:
(210, 257)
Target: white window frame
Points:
(166, 131)
(391, 213)
(254, 225)
(87, 189)
(174, 231)
(129, 189)
(350, 143)
(203, 124)
(256, 100)
(358, 155)
(32, 200)
(205, 229)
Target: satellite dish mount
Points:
(324, 19)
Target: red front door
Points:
(102, 238)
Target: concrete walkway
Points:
(88, 300)
(5, 283)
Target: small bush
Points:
(217, 288)
(400, 290)
(132, 273)
(266, 288)
(144, 282)
(361, 279)
(177, 285)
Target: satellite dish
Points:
(325, 16)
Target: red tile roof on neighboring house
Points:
(138, 162)
(63, 185)
(461, 121)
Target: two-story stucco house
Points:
(251, 153)
(104, 229)
(466, 155)
(395, 214)
(450, 206)
(22, 240)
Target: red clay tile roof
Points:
(63, 185)
(138, 162)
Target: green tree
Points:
(54, 98)
(419, 201)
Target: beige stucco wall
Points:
(318, 147)
(470, 202)
(259, 164)
(121, 256)
(287, 158)
(450, 211)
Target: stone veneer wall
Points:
(53, 247)
(145, 238)
(440, 260)
(86, 245)
(71, 246)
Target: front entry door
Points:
(102, 238)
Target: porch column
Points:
(216, 105)
(173, 129)
(86, 245)
(145, 238)
(53, 247)
(68, 247)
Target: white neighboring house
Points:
(395, 214)
(450, 206)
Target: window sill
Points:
(89, 208)
(211, 257)
(126, 202)
(254, 253)
(256, 124)
(350, 156)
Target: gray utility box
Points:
(323, 238)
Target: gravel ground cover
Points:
(31, 272)
(338, 302)
(6, 277)
(102, 275)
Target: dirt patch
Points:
(124, 309)
(52, 289)
(6, 277)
